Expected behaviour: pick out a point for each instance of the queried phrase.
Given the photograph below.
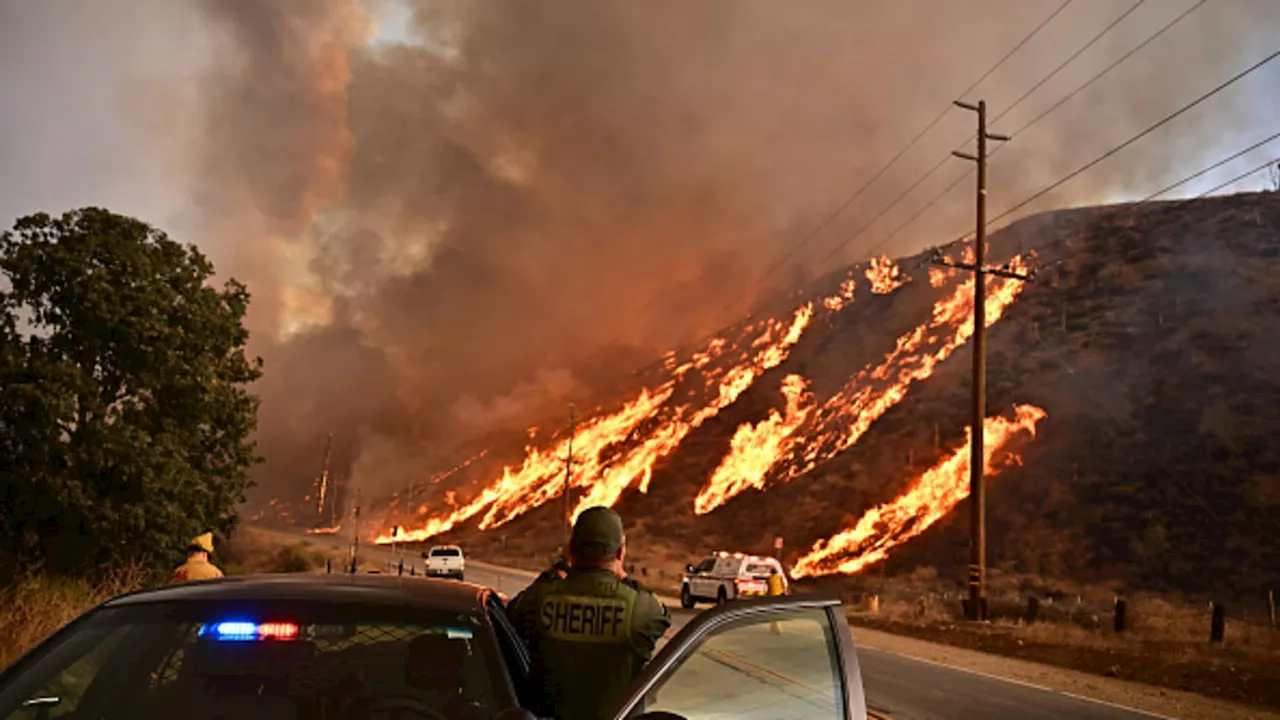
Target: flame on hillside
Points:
(938, 277)
(616, 451)
(324, 530)
(885, 276)
(849, 413)
(836, 302)
(928, 499)
(756, 446)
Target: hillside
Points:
(1144, 356)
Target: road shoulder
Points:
(1145, 698)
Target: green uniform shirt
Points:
(589, 635)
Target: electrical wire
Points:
(1161, 123)
(1212, 167)
(789, 252)
(928, 174)
(792, 250)
(945, 191)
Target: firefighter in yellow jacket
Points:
(197, 566)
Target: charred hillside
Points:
(1148, 340)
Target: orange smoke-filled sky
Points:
(456, 216)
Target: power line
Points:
(1109, 68)
(1237, 178)
(1069, 60)
(787, 253)
(1036, 119)
(1168, 118)
(919, 181)
(1212, 167)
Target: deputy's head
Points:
(598, 540)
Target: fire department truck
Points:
(725, 576)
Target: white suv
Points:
(445, 561)
(724, 576)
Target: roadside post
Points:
(1217, 626)
(1271, 608)
(1121, 620)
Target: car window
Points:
(294, 660)
(705, 565)
(759, 569)
(758, 667)
(446, 552)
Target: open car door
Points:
(761, 659)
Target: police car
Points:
(726, 576)
(378, 646)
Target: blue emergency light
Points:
(243, 630)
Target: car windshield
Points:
(289, 660)
(446, 552)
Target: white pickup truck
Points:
(445, 561)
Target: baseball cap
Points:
(597, 533)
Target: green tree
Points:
(126, 418)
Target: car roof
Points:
(448, 547)
(393, 590)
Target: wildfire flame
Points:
(938, 276)
(837, 302)
(885, 276)
(651, 429)
(849, 413)
(324, 530)
(929, 498)
(754, 447)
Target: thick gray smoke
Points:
(519, 202)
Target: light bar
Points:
(242, 630)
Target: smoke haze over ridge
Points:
(513, 203)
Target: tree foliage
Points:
(126, 421)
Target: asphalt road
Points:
(903, 688)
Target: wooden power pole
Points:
(976, 607)
(568, 475)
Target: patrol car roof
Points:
(396, 590)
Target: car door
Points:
(758, 659)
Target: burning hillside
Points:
(840, 423)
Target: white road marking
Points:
(1012, 681)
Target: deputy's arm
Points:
(650, 622)
(521, 611)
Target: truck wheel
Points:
(686, 600)
(721, 596)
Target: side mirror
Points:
(688, 569)
(425, 556)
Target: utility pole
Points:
(976, 607)
(568, 473)
(324, 480)
(355, 536)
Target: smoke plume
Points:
(510, 205)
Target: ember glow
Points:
(928, 499)
(885, 276)
(843, 419)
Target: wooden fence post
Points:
(1217, 627)
(1121, 621)
(1033, 610)
(1271, 607)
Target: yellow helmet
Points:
(203, 542)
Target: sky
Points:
(454, 217)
